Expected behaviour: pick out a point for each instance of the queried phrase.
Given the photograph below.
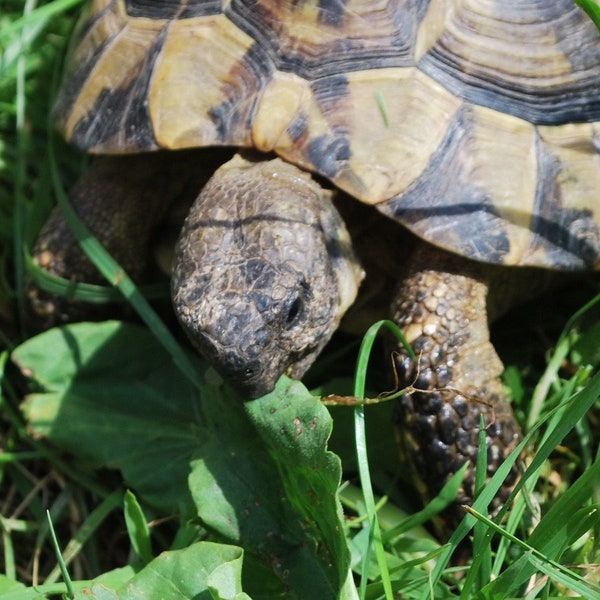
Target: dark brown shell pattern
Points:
(475, 123)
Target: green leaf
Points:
(137, 528)
(203, 570)
(9, 586)
(110, 394)
(265, 481)
(224, 582)
(260, 473)
(592, 10)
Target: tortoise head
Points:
(264, 270)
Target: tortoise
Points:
(472, 127)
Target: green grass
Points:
(151, 492)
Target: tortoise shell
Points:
(475, 124)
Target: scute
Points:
(473, 123)
(530, 58)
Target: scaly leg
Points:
(442, 308)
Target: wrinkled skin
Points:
(264, 270)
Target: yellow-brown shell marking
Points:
(475, 123)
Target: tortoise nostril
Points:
(293, 312)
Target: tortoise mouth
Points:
(250, 383)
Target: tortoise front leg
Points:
(442, 308)
(121, 199)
